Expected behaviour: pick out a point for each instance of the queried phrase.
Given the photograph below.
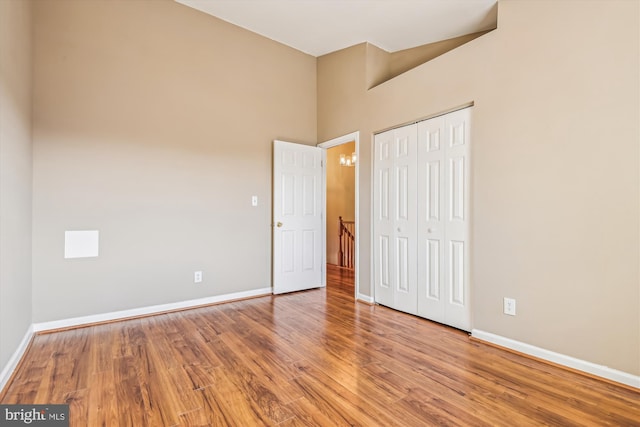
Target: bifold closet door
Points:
(421, 219)
(395, 235)
(443, 219)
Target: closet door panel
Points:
(430, 202)
(383, 202)
(405, 220)
(457, 204)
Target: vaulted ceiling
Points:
(318, 27)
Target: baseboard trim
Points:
(558, 358)
(15, 359)
(365, 298)
(146, 311)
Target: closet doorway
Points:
(421, 209)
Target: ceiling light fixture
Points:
(348, 161)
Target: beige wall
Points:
(153, 123)
(555, 164)
(15, 175)
(405, 60)
(341, 196)
(342, 108)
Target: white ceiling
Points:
(318, 27)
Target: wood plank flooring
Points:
(340, 278)
(313, 358)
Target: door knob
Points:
(430, 230)
(279, 224)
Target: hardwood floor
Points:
(313, 358)
(341, 278)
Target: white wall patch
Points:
(81, 244)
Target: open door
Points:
(297, 217)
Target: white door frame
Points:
(354, 136)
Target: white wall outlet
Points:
(509, 306)
(254, 201)
(197, 276)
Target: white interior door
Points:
(395, 248)
(297, 217)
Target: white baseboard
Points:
(143, 311)
(365, 298)
(11, 365)
(561, 359)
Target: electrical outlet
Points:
(197, 276)
(254, 201)
(509, 306)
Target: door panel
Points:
(308, 250)
(383, 252)
(456, 189)
(432, 265)
(394, 216)
(287, 254)
(457, 305)
(288, 194)
(456, 273)
(310, 196)
(402, 192)
(384, 264)
(402, 264)
(297, 254)
(404, 227)
(431, 245)
(432, 187)
(384, 199)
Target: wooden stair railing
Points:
(346, 251)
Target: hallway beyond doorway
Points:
(340, 278)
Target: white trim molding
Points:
(144, 311)
(355, 137)
(12, 364)
(365, 298)
(560, 359)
